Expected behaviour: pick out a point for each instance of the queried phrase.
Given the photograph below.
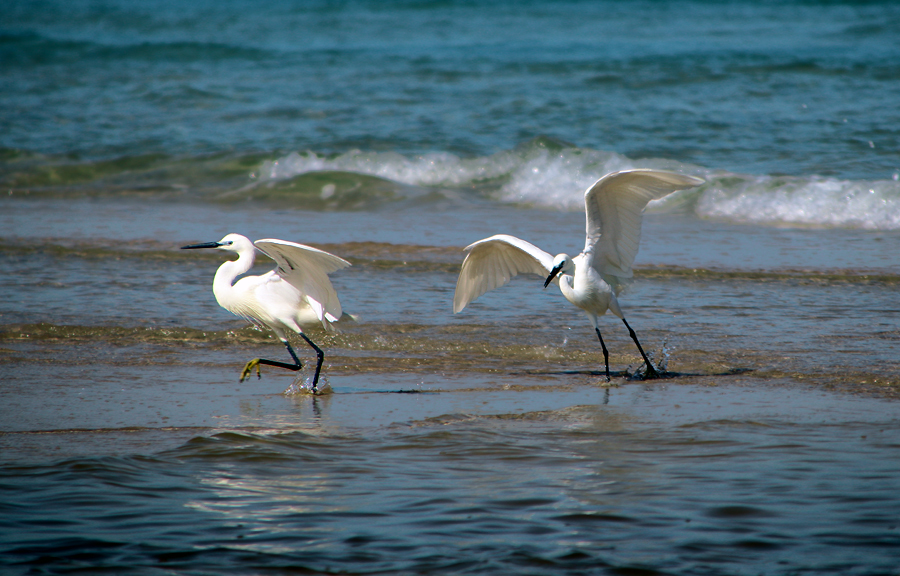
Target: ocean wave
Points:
(543, 173)
(813, 201)
(548, 174)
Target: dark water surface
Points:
(394, 134)
(477, 478)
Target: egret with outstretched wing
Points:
(296, 293)
(591, 280)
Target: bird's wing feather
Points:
(613, 206)
(494, 261)
(307, 269)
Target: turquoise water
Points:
(786, 105)
(394, 134)
(799, 88)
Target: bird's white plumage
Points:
(494, 261)
(296, 293)
(613, 207)
(306, 269)
(591, 280)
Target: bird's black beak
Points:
(553, 274)
(202, 245)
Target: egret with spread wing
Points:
(297, 292)
(592, 279)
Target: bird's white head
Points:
(230, 243)
(562, 264)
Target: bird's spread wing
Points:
(613, 206)
(492, 262)
(307, 269)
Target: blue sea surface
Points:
(798, 88)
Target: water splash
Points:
(660, 366)
(663, 365)
(302, 384)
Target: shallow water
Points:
(394, 134)
(485, 442)
(476, 474)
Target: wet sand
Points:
(52, 411)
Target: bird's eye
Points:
(229, 242)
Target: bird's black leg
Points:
(320, 356)
(651, 371)
(605, 353)
(255, 363)
(293, 354)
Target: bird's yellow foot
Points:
(248, 369)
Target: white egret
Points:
(297, 292)
(591, 280)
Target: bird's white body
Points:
(492, 262)
(267, 301)
(296, 293)
(272, 300)
(592, 279)
(585, 288)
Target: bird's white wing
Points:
(492, 262)
(613, 206)
(307, 269)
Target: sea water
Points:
(394, 134)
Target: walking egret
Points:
(296, 293)
(591, 280)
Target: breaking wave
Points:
(543, 173)
(548, 174)
(814, 201)
(551, 175)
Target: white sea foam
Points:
(439, 169)
(559, 179)
(814, 201)
(555, 177)
(534, 174)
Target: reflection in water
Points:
(621, 489)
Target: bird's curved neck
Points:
(229, 271)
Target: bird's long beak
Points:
(202, 245)
(553, 274)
